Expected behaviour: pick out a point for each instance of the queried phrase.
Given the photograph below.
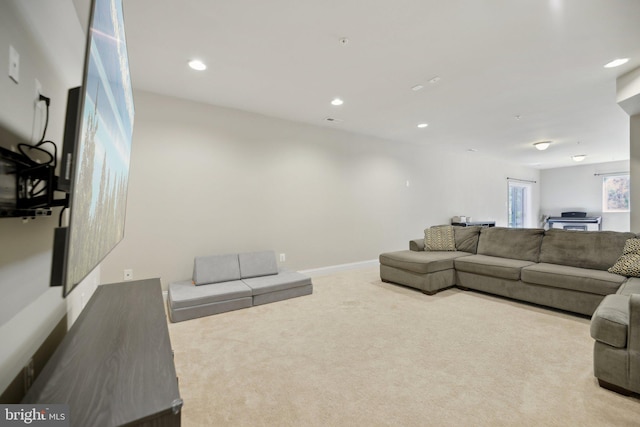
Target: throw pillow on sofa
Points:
(439, 238)
(629, 262)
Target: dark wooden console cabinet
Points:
(115, 365)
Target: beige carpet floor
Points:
(359, 352)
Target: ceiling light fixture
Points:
(197, 65)
(435, 79)
(616, 63)
(542, 145)
(337, 101)
(417, 88)
(423, 125)
(579, 157)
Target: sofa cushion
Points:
(629, 262)
(515, 243)
(504, 268)
(279, 282)
(421, 262)
(439, 238)
(577, 279)
(186, 294)
(597, 250)
(215, 269)
(631, 286)
(610, 321)
(467, 238)
(254, 264)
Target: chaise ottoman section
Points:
(284, 285)
(421, 262)
(429, 271)
(188, 301)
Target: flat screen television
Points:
(100, 153)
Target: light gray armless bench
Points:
(228, 282)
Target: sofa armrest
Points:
(416, 244)
(633, 345)
(633, 337)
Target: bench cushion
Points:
(184, 294)
(610, 321)
(281, 281)
(504, 268)
(254, 264)
(215, 269)
(421, 262)
(577, 279)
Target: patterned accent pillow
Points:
(629, 262)
(439, 238)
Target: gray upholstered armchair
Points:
(615, 326)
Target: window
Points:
(519, 204)
(615, 193)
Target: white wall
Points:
(577, 188)
(207, 180)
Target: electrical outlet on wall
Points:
(283, 257)
(14, 64)
(29, 374)
(37, 94)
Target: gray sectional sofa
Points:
(222, 283)
(563, 269)
(557, 268)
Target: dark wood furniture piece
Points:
(115, 366)
(471, 223)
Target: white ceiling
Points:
(541, 60)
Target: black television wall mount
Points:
(26, 189)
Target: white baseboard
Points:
(331, 269)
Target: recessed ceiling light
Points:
(417, 88)
(472, 150)
(435, 79)
(337, 101)
(542, 145)
(617, 62)
(197, 65)
(579, 157)
(423, 125)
